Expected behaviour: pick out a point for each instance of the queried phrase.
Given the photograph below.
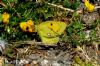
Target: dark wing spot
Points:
(51, 24)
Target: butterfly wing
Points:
(49, 31)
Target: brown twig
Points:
(68, 9)
(97, 7)
(61, 7)
(33, 42)
(84, 53)
(1, 3)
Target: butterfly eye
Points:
(51, 24)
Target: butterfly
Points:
(50, 31)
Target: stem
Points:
(84, 53)
(97, 7)
(14, 10)
(61, 7)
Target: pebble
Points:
(55, 63)
(2, 44)
(34, 63)
(45, 63)
(54, 58)
(23, 61)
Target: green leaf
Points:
(48, 15)
(67, 4)
(88, 64)
(75, 5)
(0, 17)
(70, 29)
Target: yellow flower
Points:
(23, 26)
(5, 17)
(30, 26)
(90, 7)
(27, 26)
(30, 22)
(31, 30)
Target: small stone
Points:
(90, 18)
(87, 34)
(23, 61)
(45, 63)
(3, 44)
(55, 64)
(34, 63)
